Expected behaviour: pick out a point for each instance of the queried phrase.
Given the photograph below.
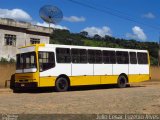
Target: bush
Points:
(3, 60)
(12, 60)
(154, 61)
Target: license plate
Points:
(22, 85)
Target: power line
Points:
(115, 10)
(114, 14)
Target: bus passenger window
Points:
(83, 55)
(122, 57)
(95, 56)
(79, 55)
(46, 60)
(142, 58)
(91, 58)
(109, 57)
(63, 55)
(98, 56)
(133, 57)
(75, 55)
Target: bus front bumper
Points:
(26, 85)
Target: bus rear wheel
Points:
(122, 81)
(61, 84)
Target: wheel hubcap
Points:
(62, 84)
(122, 82)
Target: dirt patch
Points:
(140, 98)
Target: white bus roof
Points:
(83, 47)
(90, 47)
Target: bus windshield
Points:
(26, 60)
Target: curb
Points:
(2, 90)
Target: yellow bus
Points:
(62, 66)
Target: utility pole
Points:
(159, 52)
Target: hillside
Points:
(67, 38)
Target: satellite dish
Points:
(51, 14)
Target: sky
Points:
(128, 19)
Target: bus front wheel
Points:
(122, 81)
(61, 84)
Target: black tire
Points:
(16, 90)
(61, 84)
(12, 82)
(128, 85)
(122, 81)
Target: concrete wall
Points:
(22, 39)
(6, 70)
(24, 25)
(155, 73)
(23, 31)
(43, 39)
(10, 51)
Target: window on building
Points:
(79, 55)
(10, 40)
(34, 41)
(142, 58)
(122, 57)
(94, 56)
(63, 55)
(46, 60)
(133, 57)
(109, 57)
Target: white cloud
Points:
(149, 15)
(16, 14)
(137, 34)
(19, 14)
(74, 19)
(44, 24)
(100, 31)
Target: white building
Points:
(14, 34)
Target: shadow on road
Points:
(77, 88)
